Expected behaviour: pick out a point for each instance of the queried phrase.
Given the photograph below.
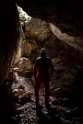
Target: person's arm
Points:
(35, 69)
(51, 67)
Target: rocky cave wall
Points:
(64, 50)
(66, 15)
(10, 37)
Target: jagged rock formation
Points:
(64, 51)
(62, 27)
(66, 15)
(10, 37)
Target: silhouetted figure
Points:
(43, 68)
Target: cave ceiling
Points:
(65, 14)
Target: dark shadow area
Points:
(5, 109)
(7, 114)
(48, 117)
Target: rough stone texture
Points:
(65, 14)
(63, 49)
(37, 29)
(17, 105)
(24, 64)
(10, 37)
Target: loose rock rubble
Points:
(17, 105)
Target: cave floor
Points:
(64, 109)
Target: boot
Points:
(47, 105)
(38, 106)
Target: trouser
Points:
(45, 80)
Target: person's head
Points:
(43, 52)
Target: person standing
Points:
(42, 70)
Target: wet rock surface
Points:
(17, 105)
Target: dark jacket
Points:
(42, 65)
